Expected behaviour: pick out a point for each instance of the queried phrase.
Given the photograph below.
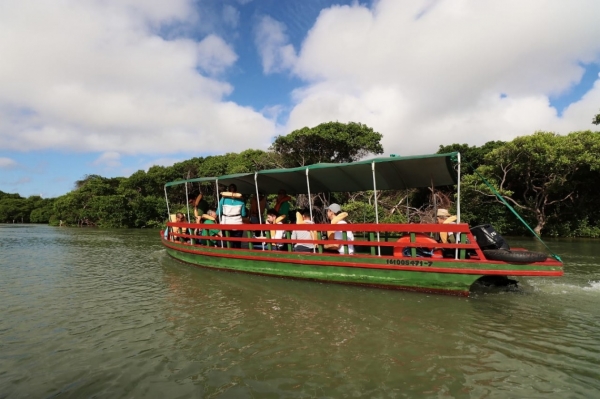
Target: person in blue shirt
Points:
(231, 210)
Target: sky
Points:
(110, 87)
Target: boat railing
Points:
(405, 240)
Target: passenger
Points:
(177, 230)
(210, 218)
(200, 208)
(282, 205)
(255, 209)
(303, 217)
(231, 211)
(336, 216)
(183, 230)
(444, 217)
(274, 218)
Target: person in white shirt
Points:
(303, 217)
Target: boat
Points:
(388, 255)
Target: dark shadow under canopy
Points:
(391, 173)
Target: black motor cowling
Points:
(488, 238)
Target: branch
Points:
(561, 200)
(515, 203)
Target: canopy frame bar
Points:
(376, 208)
(257, 198)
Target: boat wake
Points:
(594, 286)
(159, 254)
(556, 288)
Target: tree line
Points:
(549, 179)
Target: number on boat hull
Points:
(406, 262)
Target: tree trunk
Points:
(541, 221)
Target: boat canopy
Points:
(390, 173)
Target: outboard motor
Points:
(488, 238)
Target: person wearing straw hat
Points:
(444, 217)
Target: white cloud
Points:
(95, 76)
(272, 42)
(214, 55)
(7, 163)
(109, 160)
(429, 73)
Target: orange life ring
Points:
(420, 238)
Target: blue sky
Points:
(113, 86)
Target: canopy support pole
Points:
(257, 198)
(309, 201)
(458, 193)
(187, 202)
(217, 196)
(167, 201)
(458, 238)
(376, 209)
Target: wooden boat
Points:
(378, 261)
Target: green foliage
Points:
(596, 120)
(360, 212)
(550, 179)
(473, 156)
(542, 176)
(327, 142)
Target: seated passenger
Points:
(303, 217)
(181, 218)
(210, 217)
(336, 216)
(444, 217)
(274, 218)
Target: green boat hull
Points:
(440, 276)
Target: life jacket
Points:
(300, 220)
(277, 221)
(281, 201)
(208, 217)
(336, 220)
(444, 234)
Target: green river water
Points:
(107, 314)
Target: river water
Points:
(107, 314)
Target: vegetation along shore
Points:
(550, 179)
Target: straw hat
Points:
(443, 213)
